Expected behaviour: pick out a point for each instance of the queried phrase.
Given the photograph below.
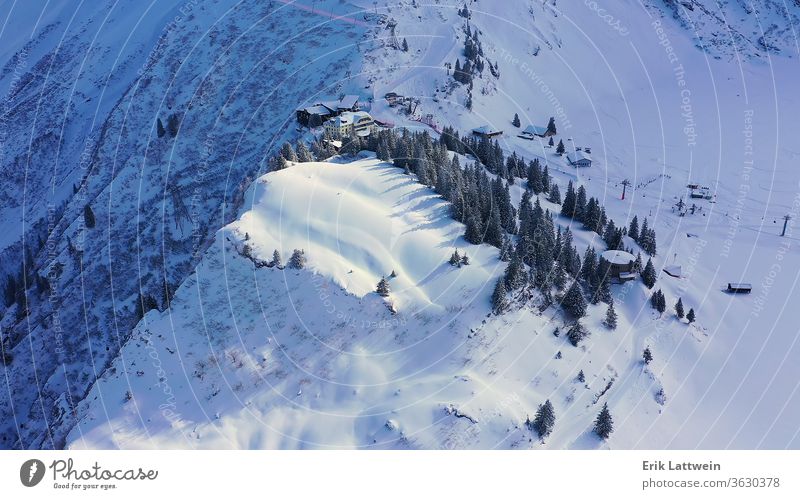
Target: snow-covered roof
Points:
(618, 257)
(348, 101)
(318, 109)
(535, 130)
(485, 130)
(576, 156)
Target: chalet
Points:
(360, 121)
(486, 131)
(321, 112)
(532, 131)
(579, 159)
(313, 115)
(619, 263)
(739, 287)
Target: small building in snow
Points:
(532, 131)
(486, 131)
(620, 262)
(320, 112)
(579, 159)
(739, 287)
(360, 121)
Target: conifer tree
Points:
(516, 121)
(633, 228)
(514, 277)
(288, 153)
(474, 230)
(550, 142)
(160, 128)
(649, 274)
(690, 316)
(611, 317)
(383, 287)
(555, 195)
(499, 299)
(560, 147)
(88, 217)
(647, 356)
(298, 259)
(455, 259)
(577, 333)
(679, 309)
(581, 376)
(303, 154)
(276, 259)
(545, 419)
(494, 230)
(604, 424)
(568, 206)
(405, 45)
(573, 302)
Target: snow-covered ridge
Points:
(360, 221)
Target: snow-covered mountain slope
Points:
(156, 118)
(625, 78)
(253, 357)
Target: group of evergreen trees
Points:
(541, 255)
(645, 236)
(545, 420)
(473, 53)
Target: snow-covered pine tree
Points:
(383, 287)
(633, 228)
(499, 298)
(474, 230)
(405, 45)
(297, 260)
(581, 377)
(455, 259)
(555, 195)
(649, 274)
(573, 302)
(550, 142)
(560, 147)
(287, 152)
(577, 333)
(545, 419)
(580, 204)
(642, 230)
(637, 264)
(516, 121)
(568, 206)
(514, 276)
(276, 262)
(604, 424)
(690, 316)
(545, 179)
(303, 154)
(647, 356)
(611, 317)
(494, 230)
(679, 309)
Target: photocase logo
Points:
(31, 472)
